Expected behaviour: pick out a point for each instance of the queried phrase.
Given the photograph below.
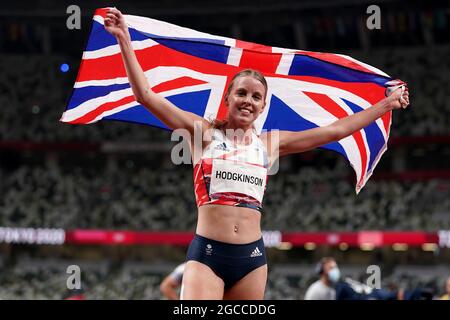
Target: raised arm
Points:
(172, 116)
(296, 142)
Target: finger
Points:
(115, 12)
(112, 12)
(111, 18)
(405, 103)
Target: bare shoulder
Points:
(271, 141)
(263, 136)
(201, 139)
(270, 138)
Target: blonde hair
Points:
(220, 124)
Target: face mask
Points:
(334, 275)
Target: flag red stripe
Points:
(165, 86)
(88, 117)
(253, 46)
(386, 118)
(368, 91)
(111, 67)
(177, 83)
(101, 12)
(263, 62)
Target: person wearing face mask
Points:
(331, 286)
(324, 288)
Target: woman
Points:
(226, 259)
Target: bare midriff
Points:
(229, 224)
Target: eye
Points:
(257, 97)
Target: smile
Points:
(245, 111)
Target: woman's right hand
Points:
(115, 23)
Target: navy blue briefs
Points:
(230, 262)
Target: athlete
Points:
(170, 283)
(226, 259)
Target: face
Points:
(332, 271)
(329, 265)
(246, 100)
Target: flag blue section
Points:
(375, 138)
(81, 95)
(282, 117)
(100, 38)
(137, 114)
(203, 50)
(307, 66)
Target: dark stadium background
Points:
(106, 197)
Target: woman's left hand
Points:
(399, 98)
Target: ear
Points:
(263, 107)
(226, 100)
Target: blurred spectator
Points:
(37, 279)
(446, 296)
(331, 286)
(324, 288)
(172, 282)
(136, 198)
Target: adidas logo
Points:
(222, 147)
(256, 253)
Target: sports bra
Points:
(231, 174)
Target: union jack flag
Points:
(192, 69)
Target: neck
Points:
(239, 134)
(231, 124)
(325, 281)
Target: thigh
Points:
(200, 283)
(250, 287)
